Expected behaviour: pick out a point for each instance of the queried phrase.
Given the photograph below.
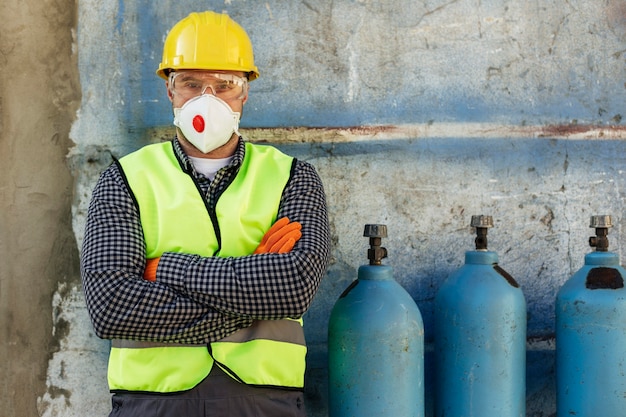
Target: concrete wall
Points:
(39, 96)
(416, 114)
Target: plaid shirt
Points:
(197, 299)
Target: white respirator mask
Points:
(207, 122)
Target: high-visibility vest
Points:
(175, 218)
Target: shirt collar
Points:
(188, 166)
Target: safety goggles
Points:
(189, 84)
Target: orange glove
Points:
(281, 238)
(149, 274)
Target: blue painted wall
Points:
(353, 63)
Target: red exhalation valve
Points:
(198, 123)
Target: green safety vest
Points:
(175, 218)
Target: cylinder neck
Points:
(481, 257)
(375, 273)
(602, 258)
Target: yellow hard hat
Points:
(208, 41)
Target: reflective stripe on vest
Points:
(277, 346)
(259, 341)
(273, 349)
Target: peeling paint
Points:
(77, 369)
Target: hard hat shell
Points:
(208, 41)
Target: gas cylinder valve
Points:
(601, 223)
(376, 252)
(481, 223)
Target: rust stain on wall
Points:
(600, 132)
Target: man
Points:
(202, 254)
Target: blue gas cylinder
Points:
(591, 334)
(375, 344)
(480, 338)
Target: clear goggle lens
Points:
(189, 84)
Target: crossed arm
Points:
(196, 299)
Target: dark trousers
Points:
(217, 396)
